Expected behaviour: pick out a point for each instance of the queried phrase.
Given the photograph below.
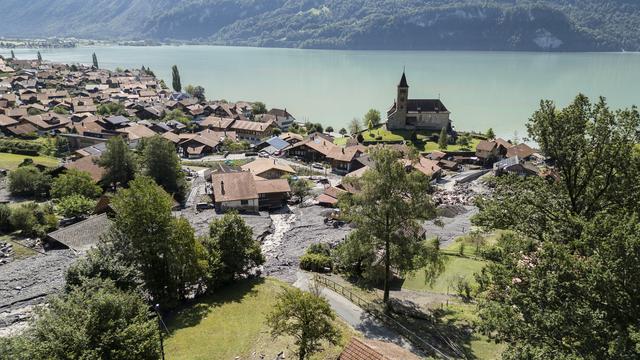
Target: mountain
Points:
(547, 25)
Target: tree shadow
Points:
(191, 313)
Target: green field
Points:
(455, 267)
(11, 161)
(422, 143)
(232, 323)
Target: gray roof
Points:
(83, 235)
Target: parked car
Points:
(263, 154)
(203, 206)
(317, 166)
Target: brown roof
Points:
(137, 131)
(346, 154)
(485, 145)
(174, 138)
(250, 125)
(217, 122)
(87, 164)
(272, 186)
(262, 165)
(233, 187)
(48, 120)
(522, 151)
(424, 165)
(21, 128)
(319, 144)
(6, 121)
(358, 350)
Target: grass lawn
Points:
(455, 267)
(232, 323)
(19, 251)
(214, 164)
(11, 161)
(422, 144)
(341, 141)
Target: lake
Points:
(481, 89)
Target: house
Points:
(81, 236)
(268, 168)
(115, 122)
(88, 164)
(236, 190)
(515, 165)
(272, 194)
(283, 118)
(252, 131)
(428, 167)
(361, 349)
(489, 151)
(48, 121)
(242, 191)
(216, 123)
(522, 151)
(342, 159)
(203, 143)
(330, 196)
(416, 114)
(312, 149)
(136, 132)
(273, 146)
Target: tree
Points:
(95, 61)
(343, 131)
(575, 240)
(75, 205)
(464, 141)
(75, 182)
(23, 218)
(175, 75)
(388, 212)
(177, 115)
(196, 91)
(13, 55)
(258, 107)
(329, 129)
(231, 241)
(5, 218)
(118, 161)
(490, 134)
(161, 163)
(443, 140)
(276, 132)
(354, 126)
(306, 317)
(60, 110)
(111, 109)
(371, 118)
(39, 57)
(299, 187)
(94, 321)
(29, 181)
(162, 248)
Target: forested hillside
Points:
(552, 25)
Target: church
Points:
(416, 114)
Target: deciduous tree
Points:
(306, 317)
(75, 182)
(388, 212)
(118, 161)
(161, 163)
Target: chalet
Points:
(522, 151)
(283, 118)
(81, 236)
(88, 164)
(252, 131)
(515, 165)
(342, 159)
(330, 196)
(150, 113)
(489, 151)
(312, 149)
(268, 168)
(242, 191)
(115, 122)
(216, 123)
(429, 168)
(136, 132)
(203, 143)
(48, 121)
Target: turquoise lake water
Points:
(481, 89)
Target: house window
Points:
(244, 202)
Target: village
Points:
(284, 177)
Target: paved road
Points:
(369, 326)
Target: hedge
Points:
(316, 263)
(20, 147)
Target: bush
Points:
(75, 205)
(316, 262)
(21, 147)
(491, 253)
(23, 218)
(28, 181)
(320, 249)
(5, 215)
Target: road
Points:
(355, 316)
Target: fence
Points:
(389, 321)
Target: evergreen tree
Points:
(177, 85)
(118, 161)
(490, 134)
(95, 61)
(443, 140)
(39, 57)
(13, 55)
(161, 163)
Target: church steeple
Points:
(403, 94)
(403, 81)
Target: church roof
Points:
(425, 105)
(403, 81)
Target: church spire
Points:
(403, 81)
